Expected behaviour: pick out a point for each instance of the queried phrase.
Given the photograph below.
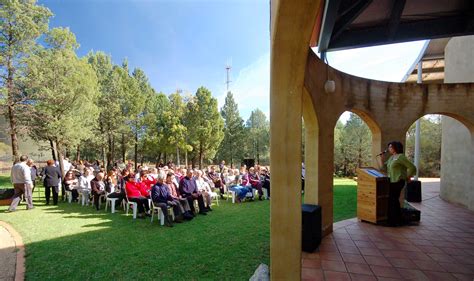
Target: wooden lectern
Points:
(372, 195)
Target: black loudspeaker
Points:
(311, 227)
(414, 191)
(410, 215)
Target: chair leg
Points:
(162, 217)
(135, 211)
(233, 197)
(112, 206)
(106, 205)
(128, 206)
(152, 215)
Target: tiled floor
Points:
(441, 247)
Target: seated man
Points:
(184, 204)
(161, 197)
(265, 179)
(188, 189)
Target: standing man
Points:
(21, 179)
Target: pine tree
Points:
(21, 24)
(232, 146)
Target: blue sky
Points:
(185, 44)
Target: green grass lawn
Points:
(73, 242)
(5, 181)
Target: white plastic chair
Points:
(84, 197)
(159, 212)
(112, 203)
(214, 196)
(133, 204)
(69, 196)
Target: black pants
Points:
(266, 185)
(96, 196)
(118, 195)
(142, 203)
(200, 200)
(394, 210)
(47, 194)
(74, 193)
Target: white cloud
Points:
(251, 87)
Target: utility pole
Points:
(228, 68)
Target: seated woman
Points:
(216, 179)
(135, 194)
(239, 187)
(254, 179)
(113, 187)
(71, 184)
(205, 189)
(85, 185)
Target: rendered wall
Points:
(457, 142)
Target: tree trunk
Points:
(109, 152)
(186, 158)
(123, 147)
(177, 156)
(11, 108)
(166, 158)
(78, 153)
(53, 150)
(136, 145)
(112, 153)
(61, 168)
(200, 157)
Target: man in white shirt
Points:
(21, 179)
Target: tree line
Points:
(91, 108)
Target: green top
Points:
(399, 168)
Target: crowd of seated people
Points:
(169, 187)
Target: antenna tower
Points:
(228, 68)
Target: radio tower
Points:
(228, 68)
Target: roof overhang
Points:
(347, 24)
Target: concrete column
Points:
(418, 125)
(291, 29)
(311, 150)
(325, 175)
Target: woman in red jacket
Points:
(135, 193)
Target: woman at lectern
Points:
(399, 170)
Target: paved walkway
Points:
(441, 247)
(10, 246)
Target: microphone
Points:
(383, 152)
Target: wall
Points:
(457, 141)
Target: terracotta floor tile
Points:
(375, 260)
(442, 258)
(348, 249)
(430, 249)
(440, 276)
(358, 268)
(362, 277)
(422, 242)
(311, 274)
(364, 244)
(332, 256)
(354, 258)
(464, 259)
(395, 254)
(456, 268)
(402, 263)
(418, 256)
(389, 279)
(464, 277)
(333, 265)
(385, 271)
(345, 242)
(428, 265)
(453, 251)
(312, 263)
(370, 251)
(336, 276)
(413, 274)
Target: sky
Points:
(185, 44)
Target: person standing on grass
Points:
(22, 183)
(52, 177)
